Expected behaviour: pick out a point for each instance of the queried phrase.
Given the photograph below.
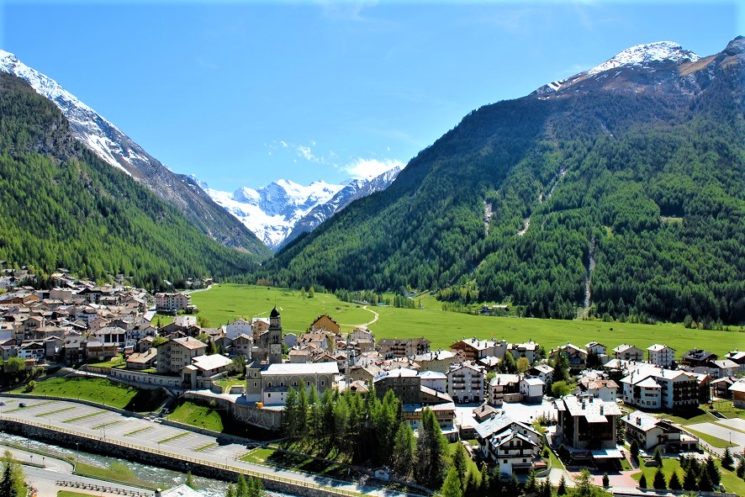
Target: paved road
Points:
(151, 436)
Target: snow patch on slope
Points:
(644, 54)
(89, 126)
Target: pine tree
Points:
(740, 471)
(659, 482)
(530, 483)
(606, 480)
(712, 471)
(230, 492)
(241, 488)
(634, 451)
(727, 461)
(689, 480)
(704, 481)
(451, 487)
(562, 489)
(643, 481)
(460, 463)
(430, 450)
(404, 447)
(658, 457)
(12, 483)
(675, 482)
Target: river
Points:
(159, 476)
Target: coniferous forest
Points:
(63, 207)
(629, 197)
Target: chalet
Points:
(440, 360)
(528, 350)
(365, 374)
(737, 357)
(738, 394)
(576, 356)
(326, 323)
(723, 368)
(510, 445)
(650, 432)
(474, 349)
(697, 358)
(720, 387)
(204, 368)
(98, 351)
(626, 352)
(602, 389)
(142, 360)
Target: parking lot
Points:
(724, 430)
(110, 425)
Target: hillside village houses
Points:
(80, 323)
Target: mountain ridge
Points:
(640, 162)
(119, 151)
(282, 210)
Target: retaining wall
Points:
(70, 439)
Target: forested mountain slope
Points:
(622, 188)
(60, 205)
(115, 148)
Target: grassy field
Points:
(223, 303)
(114, 362)
(98, 390)
(197, 415)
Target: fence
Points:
(102, 488)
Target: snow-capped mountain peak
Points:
(281, 210)
(640, 55)
(88, 123)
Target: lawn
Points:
(98, 390)
(728, 410)
(699, 415)
(223, 303)
(259, 455)
(227, 383)
(116, 361)
(197, 415)
(729, 479)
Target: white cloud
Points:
(283, 143)
(306, 153)
(369, 168)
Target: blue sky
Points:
(242, 93)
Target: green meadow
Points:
(227, 302)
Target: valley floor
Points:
(227, 302)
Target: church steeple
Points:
(275, 321)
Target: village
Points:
(516, 407)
